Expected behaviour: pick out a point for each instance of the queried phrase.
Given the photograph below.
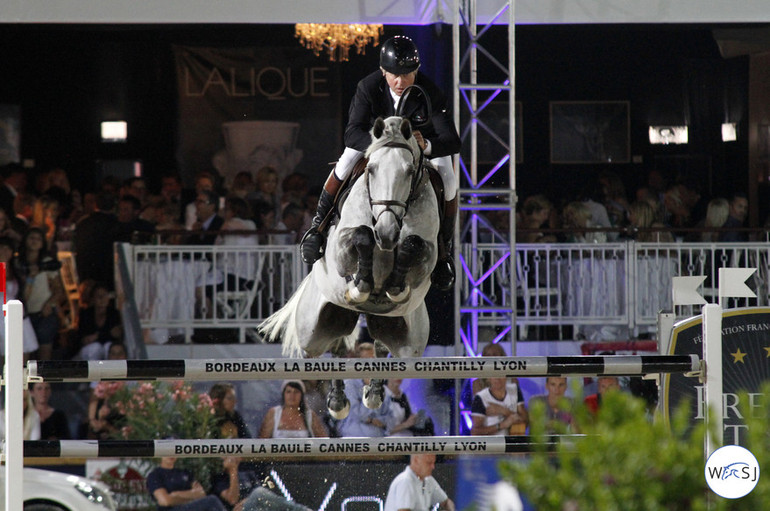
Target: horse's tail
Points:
(281, 324)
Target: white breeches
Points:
(443, 163)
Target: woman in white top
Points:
(239, 267)
(43, 292)
(292, 418)
(31, 419)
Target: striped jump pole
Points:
(338, 368)
(291, 447)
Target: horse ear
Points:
(379, 127)
(406, 128)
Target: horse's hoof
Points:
(354, 295)
(373, 398)
(340, 414)
(396, 296)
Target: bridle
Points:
(390, 203)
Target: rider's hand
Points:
(420, 140)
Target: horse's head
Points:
(391, 175)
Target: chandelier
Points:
(337, 39)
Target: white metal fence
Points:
(624, 284)
(178, 289)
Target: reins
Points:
(390, 203)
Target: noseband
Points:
(390, 203)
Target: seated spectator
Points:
(558, 408)
(266, 188)
(717, 212)
(243, 185)
(362, 421)
(739, 210)
(53, 422)
(292, 418)
(99, 325)
(45, 215)
(402, 422)
(204, 181)
(7, 230)
(103, 421)
(264, 215)
(43, 293)
(677, 213)
(29, 338)
(207, 219)
(614, 198)
(231, 423)
(167, 219)
(242, 490)
(535, 214)
(132, 228)
(490, 350)
(499, 409)
(597, 213)
(577, 217)
(642, 216)
(239, 268)
(604, 384)
(31, 419)
(291, 221)
(175, 489)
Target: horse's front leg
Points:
(336, 401)
(374, 393)
(411, 252)
(362, 283)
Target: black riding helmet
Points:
(399, 55)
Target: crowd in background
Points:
(659, 211)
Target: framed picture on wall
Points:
(590, 132)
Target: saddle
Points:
(358, 171)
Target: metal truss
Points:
(484, 106)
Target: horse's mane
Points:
(392, 133)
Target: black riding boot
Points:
(443, 276)
(313, 242)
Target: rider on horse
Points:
(378, 95)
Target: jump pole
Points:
(292, 447)
(337, 368)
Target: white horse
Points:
(378, 261)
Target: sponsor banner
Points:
(243, 108)
(745, 367)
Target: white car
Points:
(45, 490)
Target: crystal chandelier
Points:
(337, 39)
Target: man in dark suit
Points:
(14, 181)
(208, 221)
(93, 239)
(378, 95)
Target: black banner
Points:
(243, 108)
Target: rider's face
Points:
(398, 83)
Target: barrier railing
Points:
(181, 288)
(178, 289)
(622, 283)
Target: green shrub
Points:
(626, 462)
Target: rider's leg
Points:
(313, 241)
(443, 276)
